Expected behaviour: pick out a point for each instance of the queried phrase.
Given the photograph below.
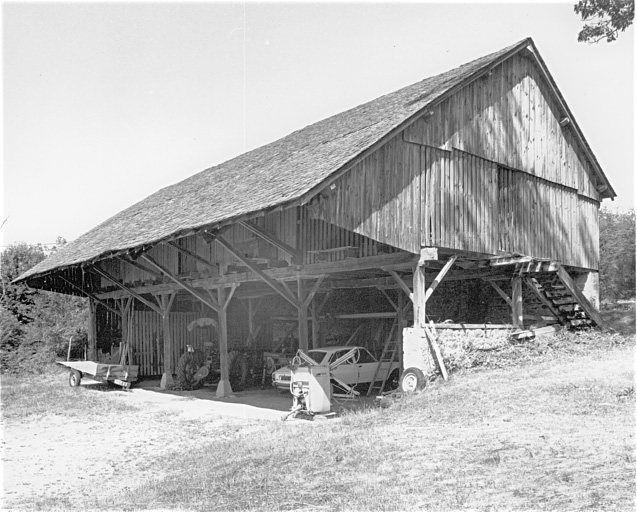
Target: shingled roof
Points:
(269, 176)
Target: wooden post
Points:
(92, 330)
(420, 290)
(165, 303)
(315, 325)
(400, 321)
(124, 307)
(517, 318)
(303, 328)
(223, 388)
(251, 330)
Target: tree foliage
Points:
(35, 325)
(606, 19)
(617, 254)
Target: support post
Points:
(517, 318)
(92, 330)
(165, 303)
(315, 325)
(400, 321)
(223, 388)
(302, 312)
(420, 290)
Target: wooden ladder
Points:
(559, 293)
(387, 357)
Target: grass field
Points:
(548, 425)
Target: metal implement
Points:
(311, 390)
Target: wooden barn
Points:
(466, 201)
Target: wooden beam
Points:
(500, 291)
(210, 303)
(270, 282)
(351, 338)
(440, 276)
(534, 287)
(509, 260)
(389, 299)
(517, 318)
(140, 267)
(228, 298)
(303, 319)
(165, 303)
(223, 388)
(307, 271)
(314, 324)
(89, 295)
(271, 239)
(473, 326)
(436, 350)
(583, 301)
(418, 298)
(141, 299)
(194, 256)
(383, 314)
(313, 291)
(91, 330)
(401, 283)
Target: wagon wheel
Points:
(75, 377)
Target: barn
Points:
(466, 202)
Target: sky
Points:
(106, 103)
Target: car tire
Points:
(75, 377)
(412, 381)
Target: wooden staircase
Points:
(559, 293)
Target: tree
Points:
(35, 325)
(607, 19)
(617, 254)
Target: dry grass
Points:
(554, 435)
(24, 397)
(546, 426)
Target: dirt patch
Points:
(74, 459)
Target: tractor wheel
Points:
(238, 370)
(392, 381)
(75, 377)
(413, 380)
(187, 366)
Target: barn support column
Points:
(223, 388)
(303, 318)
(165, 304)
(92, 330)
(124, 306)
(416, 345)
(402, 308)
(315, 326)
(517, 317)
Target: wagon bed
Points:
(123, 375)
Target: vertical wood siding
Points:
(380, 198)
(147, 344)
(509, 117)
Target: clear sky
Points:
(104, 104)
